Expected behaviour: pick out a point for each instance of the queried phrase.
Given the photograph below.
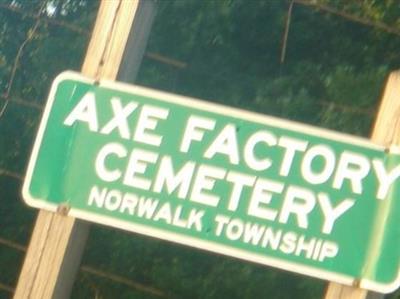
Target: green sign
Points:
(234, 182)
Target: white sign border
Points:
(185, 240)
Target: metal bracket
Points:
(392, 149)
(63, 209)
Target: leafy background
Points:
(328, 71)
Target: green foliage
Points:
(331, 77)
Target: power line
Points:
(11, 174)
(12, 244)
(7, 288)
(22, 102)
(123, 280)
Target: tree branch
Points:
(351, 17)
(45, 19)
(286, 33)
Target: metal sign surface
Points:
(233, 182)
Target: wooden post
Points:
(57, 242)
(339, 291)
(386, 132)
(137, 41)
